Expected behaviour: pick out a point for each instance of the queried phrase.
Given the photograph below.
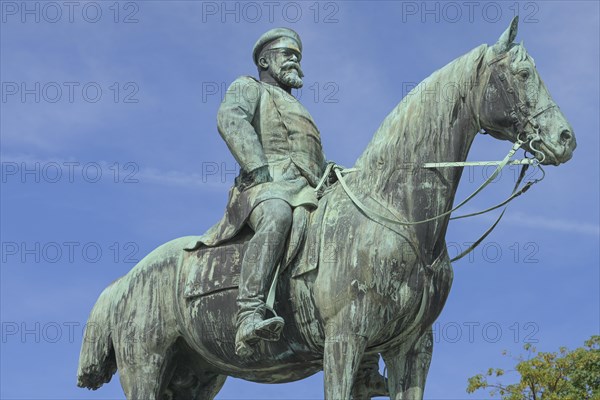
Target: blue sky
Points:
(109, 148)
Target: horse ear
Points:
(509, 35)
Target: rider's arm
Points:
(234, 121)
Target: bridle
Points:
(520, 115)
(520, 118)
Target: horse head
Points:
(516, 105)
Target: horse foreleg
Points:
(342, 356)
(408, 366)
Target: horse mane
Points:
(519, 54)
(418, 126)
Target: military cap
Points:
(278, 38)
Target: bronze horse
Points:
(378, 286)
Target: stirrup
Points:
(269, 330)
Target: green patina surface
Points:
(359, 287)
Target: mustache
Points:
(292, 65)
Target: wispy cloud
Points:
(179, 178)
(539, 222)
(567, 226)
(204, 181)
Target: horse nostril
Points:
(565, 136)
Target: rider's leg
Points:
(271, 221)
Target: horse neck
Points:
(436, 122)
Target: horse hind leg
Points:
(189, 385)
(142, 380)
(408, 367)
(142, 365)
(209, 389)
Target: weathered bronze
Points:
(353, 285)
(278, 146)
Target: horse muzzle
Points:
(552, 140)
(556, 150)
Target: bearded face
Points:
(284, 67)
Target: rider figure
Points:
(278, 147)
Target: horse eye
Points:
(524, 74)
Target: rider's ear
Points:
(508, 37)
(263, 63)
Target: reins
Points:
(520, 117)
(526, 162)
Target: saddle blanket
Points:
(213, 269)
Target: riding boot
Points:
(260, 258)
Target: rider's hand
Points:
(255, 177)
(331, 177)
(261, 175)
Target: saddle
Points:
(214, 269)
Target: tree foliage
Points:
(565, 375)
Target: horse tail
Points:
(97, 361)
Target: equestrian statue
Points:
(315, 266)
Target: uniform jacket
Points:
(263, 125)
